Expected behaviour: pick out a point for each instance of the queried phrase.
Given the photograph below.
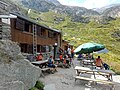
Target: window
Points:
(23, 47)
(43, 48)
(38, 48)
(19, 24)
(51, 34)
(40, 31)
(26, 28)
(50, 48)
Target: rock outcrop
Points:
(16, 72)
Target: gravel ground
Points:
(64, 80)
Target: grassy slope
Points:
(78, 33)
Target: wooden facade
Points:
(65, 45)
(22, 32)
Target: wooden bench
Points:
(95, 80)
(47, 69)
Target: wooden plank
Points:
(105, 71)
(40, 62)
(95, 80)
(83, 68)
(94, 70)
(45, 69)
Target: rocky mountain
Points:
(78, 14)
(39, 5)
(7, 6)
(110, 10)
(102, 9)
(113, 11)
(73, 10)
(54, 2)
(54, 5)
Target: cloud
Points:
(98, 4)
(89, 3)
(69, 2)
(95, 3)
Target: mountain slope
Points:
(7, 6)
(113, 11)
(44, 6)
(54, 2)
(40, 5)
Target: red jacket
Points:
(39, 57)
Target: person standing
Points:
(65, 52)
(69, 52)
(69, 55)
(60, 51)
(72, 54)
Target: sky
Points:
(90, 4)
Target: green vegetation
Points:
(33, 88)
(38, 86)
(78, 33)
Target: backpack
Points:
(106, 66)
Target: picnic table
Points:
(57, 60)
(87, 62)
(107, 73)
(82, 70)
(41, 64)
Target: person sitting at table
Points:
(61, 58)
(86, 56)
(39, 57)
(66, 61)
(51, 63)
(80, 56)
(90, 56)
(99, 62)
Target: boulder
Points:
(16, 72)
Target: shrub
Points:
(33, 88)
(39, 85)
